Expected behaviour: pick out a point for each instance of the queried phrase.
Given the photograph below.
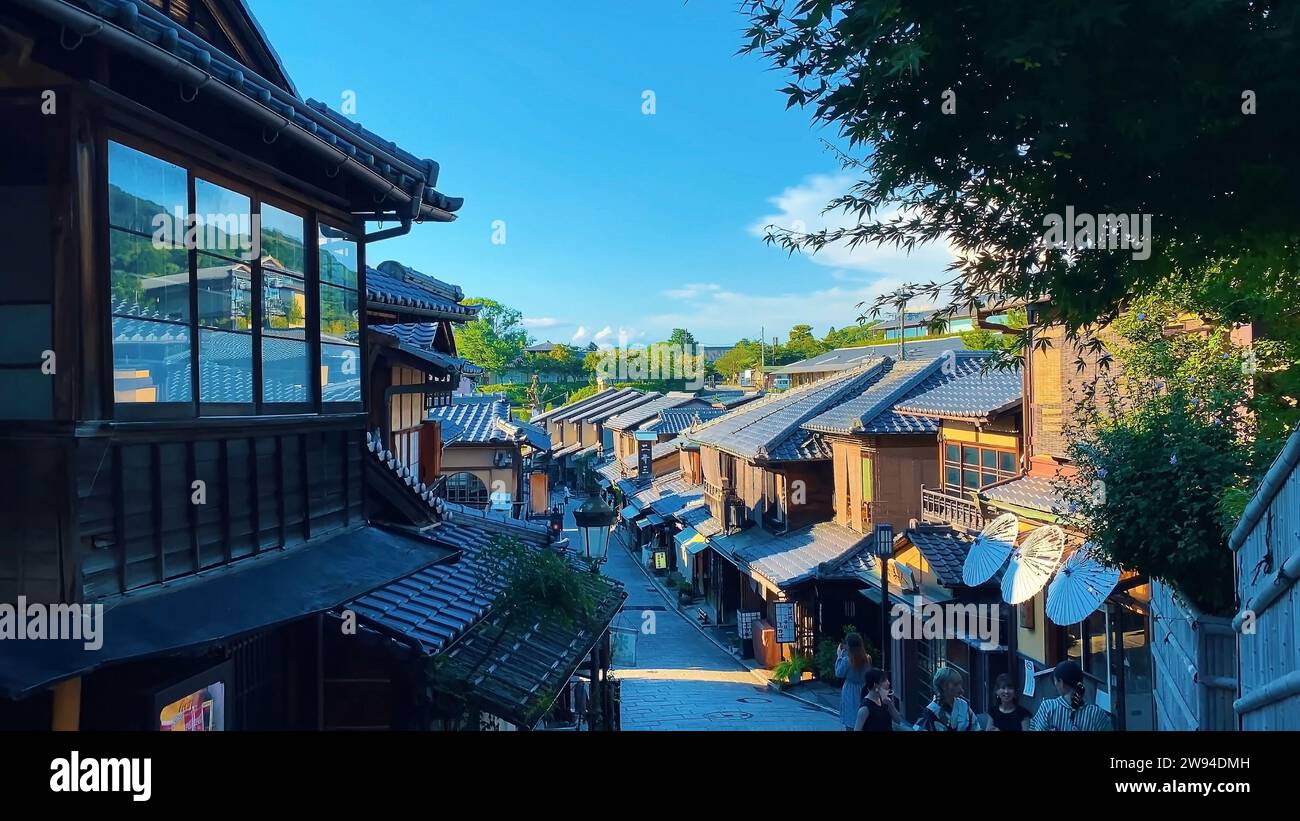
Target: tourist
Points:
(948, 710)
(851, 664)
(1007, 716)
(1070, 710)
(877, 712)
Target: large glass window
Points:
(285, 362)
(969, 467)
(149, 278)
(231, 278)
(339, 319)
(466, 489)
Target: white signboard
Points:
(745, 623)
(622, 645)
(785, 622)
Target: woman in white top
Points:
(948, 710)
(1069, 711)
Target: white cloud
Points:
(799, 208)
(721, 317)
(692, 290)
(603, 334)
(580, 334)
(541, 322)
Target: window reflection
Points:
(222, 222)
(145, 194)
(285, 370)
(282, 240)
(225, 367)
(151, 360)
(225, 293)
(153, 279)
(338, 314)
(340, 373)
(338, 261)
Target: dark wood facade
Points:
(116, 481)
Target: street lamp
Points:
(884, 538)
(594, 518)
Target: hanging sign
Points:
(785, 622)
(1029, 678)
(661, 560)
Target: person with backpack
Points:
(1070, 710)
(948, 710)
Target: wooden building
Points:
(181, 363)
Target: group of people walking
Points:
(867, 700)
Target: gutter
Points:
(87, 24)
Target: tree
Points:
(743, 356)
(982, 339)
(495, 339)
(854, 336)
(975, 124)
(682, 337)
(1166, 431)
(800, 344)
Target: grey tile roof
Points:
(527, 433)
(944, 550)
(680, 419)
(416, 339)
(472, 420)
(447, 609)
(600, 413)
(794, 557)
(612, 471)
(563, 410)
(1029, 492)
(974, 396)
(632, 418)
(701, 518)
(845, 358)
(668, 494)
(729, 401)
(805, 446)
(575, 410)
(661, 449)
(759, 428)
(399, 286)
(875, 409)
(383, 171)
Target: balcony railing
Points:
(938, 507)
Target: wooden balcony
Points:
(938, 507)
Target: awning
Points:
(629, 513)
(644, 524)
(250, 595)
(655, 519)
(690, 541)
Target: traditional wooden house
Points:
(839, 360)
(767, 482)
(486, 457)
(181, 336)
(1113, 643)
(411, 357)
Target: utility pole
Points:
(902, 330)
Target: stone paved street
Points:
(683, 681)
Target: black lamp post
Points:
(884, 536)
(594, 518)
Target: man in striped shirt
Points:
(1069, 711)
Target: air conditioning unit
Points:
(504, 459)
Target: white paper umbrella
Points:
(1080, 588)
(1033, 563)
(990, 550)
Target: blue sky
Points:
(615, 220)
